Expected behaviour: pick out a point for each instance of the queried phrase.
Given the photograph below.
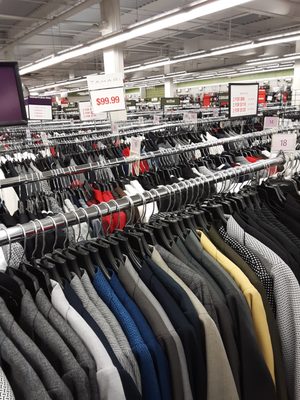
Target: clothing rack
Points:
(152, 128)
(31, 178)
(32, 229)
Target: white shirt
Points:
(108, 378)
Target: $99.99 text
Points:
(107, 100)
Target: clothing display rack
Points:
(139, 131)
(30, 178)
(17, 233)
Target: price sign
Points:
(243, 99)
(285, 142)
(141, 120)
(156, 119)
(215, 112)
(86, 113)
(190, 117)
(107, 100)
(271, 122)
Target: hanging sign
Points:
(271, 122)
(243, 100)
(107, 100)
(105, 81)
(86, 112)
(169, 101)
(285, 142)
(39, 108)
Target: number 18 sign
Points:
(285, 142)
(104, 100)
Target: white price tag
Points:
(215, 112)
(285, 142)
(135, 151)
(141, 120)
(28, 134)
(271, 122)
(44, 138)
(108, 100)
(156, 119)
(115, 128)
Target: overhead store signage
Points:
(169, 101)
(105, 81)
(87, 114)
(243, 100)
(271, 122)
(107, 92)
(39, 108)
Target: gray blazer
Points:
(38, 328)
(25, 383)
(70, 337)
(287, 296)
(54, 385)
(162, 328)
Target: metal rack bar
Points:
(16, 233)
(30, 178)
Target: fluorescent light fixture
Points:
(285, 59)
(187, 13)
(292, 55)
(226, 50)
(281, 35)
(58, 84)
(262, 59)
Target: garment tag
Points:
(115, 131)
(44, 138)
(271, 122)
(285, 142)
(28, 134)
(135, 152)
(156, 119)
(242, 127)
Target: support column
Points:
(112, 57)
(170, 88)
(296, 79)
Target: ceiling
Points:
(33, 29)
